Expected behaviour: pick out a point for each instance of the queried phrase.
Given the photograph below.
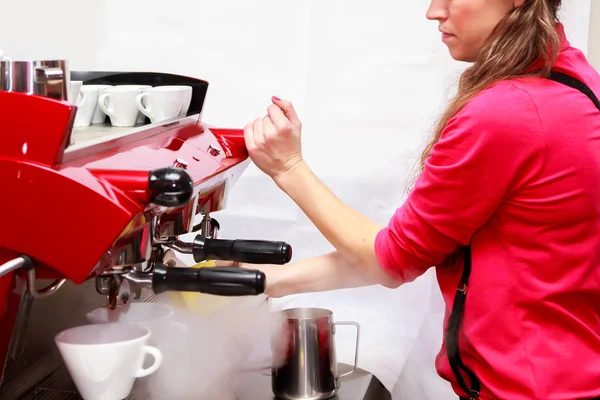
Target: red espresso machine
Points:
(106, 203)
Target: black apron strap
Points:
(575, 84)
(455, 319)
(453, 329)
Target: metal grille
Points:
(59, 386)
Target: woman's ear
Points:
(518, 3)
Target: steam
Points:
(205, 354)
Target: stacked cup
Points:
(129, 105)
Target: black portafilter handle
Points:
(220, 281)
(245, 251)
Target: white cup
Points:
(186, 100)
(160, 103)
(89, 102)
(104, 360)
(141, 87)
(141, 118)
(118, 102)
(98, 117)
(154, 316)
(168, 335)
(74, 96)
(131, 313)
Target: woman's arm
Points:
(350, 232)
(322, 273)
(273, 143)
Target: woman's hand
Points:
(274, 141)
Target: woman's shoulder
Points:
(505, 110)
(510, 97)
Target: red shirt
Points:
(517, 175)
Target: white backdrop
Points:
(368, 80)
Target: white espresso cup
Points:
(118, 102)
(141, 118)
(89, 102)
(74, 96)
(159, 319)
(156, 317)
(132, 312)
(186, 99)
(160, 103)
(104, 360)
(99, 116)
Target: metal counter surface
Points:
(360, 385)
(249, 386)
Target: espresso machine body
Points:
(108, 208)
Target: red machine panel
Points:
(67, 207)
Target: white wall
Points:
(594, 36)
(367, 78)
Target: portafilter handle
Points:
(220, 281)
(241, 250)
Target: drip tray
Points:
(250, 386)
(59, 386)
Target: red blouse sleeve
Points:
(488, 150)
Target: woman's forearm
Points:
(326, 272)
(350, 232)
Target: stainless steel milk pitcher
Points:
(308, 369)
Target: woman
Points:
(507, 202)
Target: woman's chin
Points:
(459, 55)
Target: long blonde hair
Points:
(526, 35)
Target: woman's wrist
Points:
(286, 180)
(321, 273)
(276, 281)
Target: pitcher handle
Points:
(357, 326)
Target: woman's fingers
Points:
(259, 137)
(269, 128)
(278, 117)
(288, 109)
(249, 137)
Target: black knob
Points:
(170, 187)
(220, 281)
(246, 251)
